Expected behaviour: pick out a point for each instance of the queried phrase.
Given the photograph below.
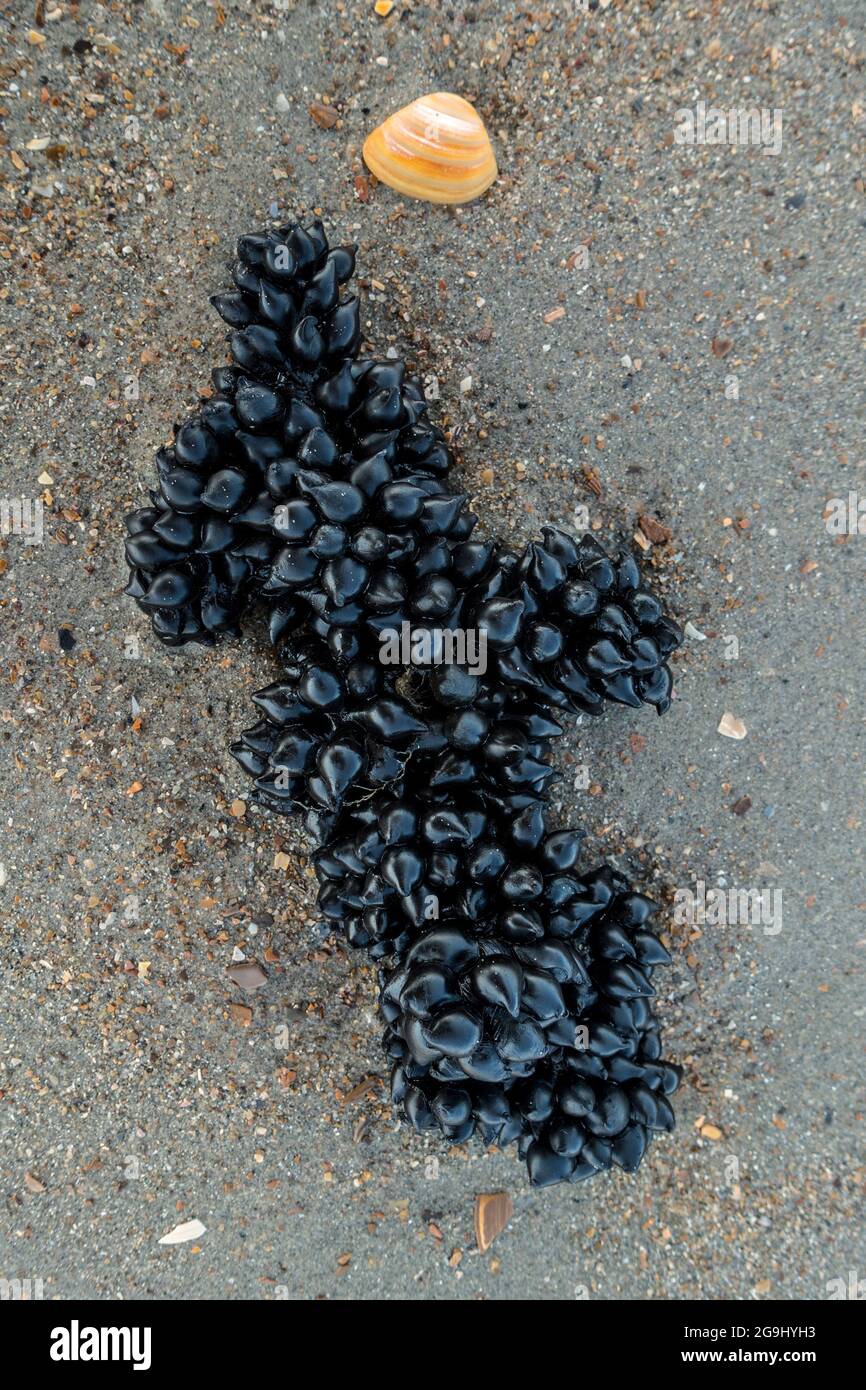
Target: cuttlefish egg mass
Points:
(515, 979)
(436, 149)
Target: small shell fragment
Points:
(731, 727)
(436, 149)
(187, 1230)
(247, 975)
(493, 1211)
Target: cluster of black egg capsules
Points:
(515, 985)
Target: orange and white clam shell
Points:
(436, 148)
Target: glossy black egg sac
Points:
(516, 983)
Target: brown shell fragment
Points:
(493, 1211)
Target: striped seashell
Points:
(436, 148)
